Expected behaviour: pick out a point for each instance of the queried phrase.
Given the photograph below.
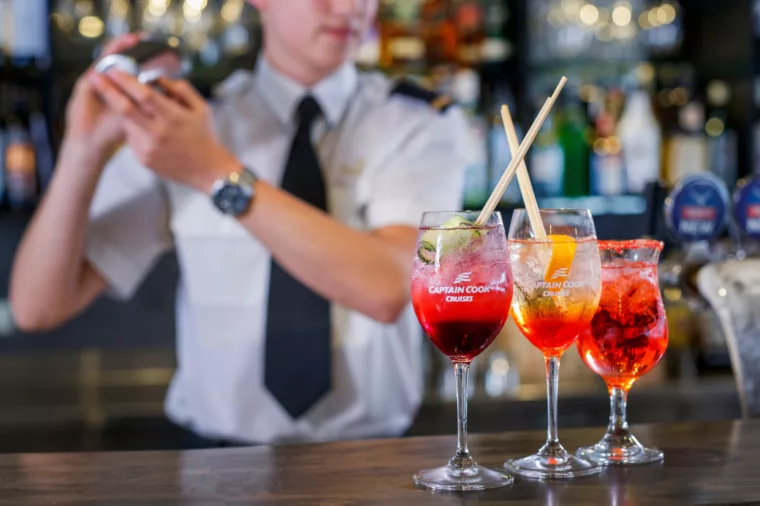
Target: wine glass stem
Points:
(552, 389)
(618, 404)
(462, 458)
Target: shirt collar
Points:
(284, 94)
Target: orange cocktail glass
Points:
(626, 339)
(557, 282)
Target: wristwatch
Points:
(234, 194)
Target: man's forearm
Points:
(359, 270)
(49, 269)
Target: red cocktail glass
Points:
(626, 339)
(461, 292)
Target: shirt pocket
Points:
(222, 263)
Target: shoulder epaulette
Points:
(437, 101)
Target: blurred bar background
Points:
(658, 90)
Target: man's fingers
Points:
(112, 96)
(146, 98)
(183, 91)
(114, 46)
(118, 101)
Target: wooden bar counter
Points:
(705, 464)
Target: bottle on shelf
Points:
(402, 50)
(368, 53)
(438, 33)
(574, 135)
(640, 134)
(20, 161)
(496, 47)
(470, 29)
(6, 27)
(721, 138)
(24, 30)
(547, 161)
(756, 127)
(613, 102)
(607, 167)
(157, 15)
(20, 157)
(4, 112)
(466, 91)
(686, 151)
(236, 33)
(499, 154)
(42, 142)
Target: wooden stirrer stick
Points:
(526, 188)
(517, 159)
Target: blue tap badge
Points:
(747, 206)
(697, 208)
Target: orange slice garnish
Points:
(563, 254)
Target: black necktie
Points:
(297, 356)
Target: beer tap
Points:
(747, 217)
(696, 212)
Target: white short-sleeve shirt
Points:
(386, 158)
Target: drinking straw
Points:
(526, 188)
(518, 157)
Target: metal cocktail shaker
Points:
(155, 56)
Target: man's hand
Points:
(90, 124)
(172, 134)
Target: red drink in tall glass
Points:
(462, 302)
(461, 291)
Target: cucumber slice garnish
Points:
(447, 238)
(426, 252)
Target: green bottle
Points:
(574, 134)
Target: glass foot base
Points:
(543, 468)
(451, 479)
(605, 454)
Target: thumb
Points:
(117, 44)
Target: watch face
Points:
(232, 199)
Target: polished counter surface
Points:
(705, 464)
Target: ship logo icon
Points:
(463, 278)
(560, 273)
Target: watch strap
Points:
(245, 177)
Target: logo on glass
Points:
(560, 273)
(463, 278)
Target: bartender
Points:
(291, 200)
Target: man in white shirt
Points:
(292, 203)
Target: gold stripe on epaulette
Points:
(440, 102)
